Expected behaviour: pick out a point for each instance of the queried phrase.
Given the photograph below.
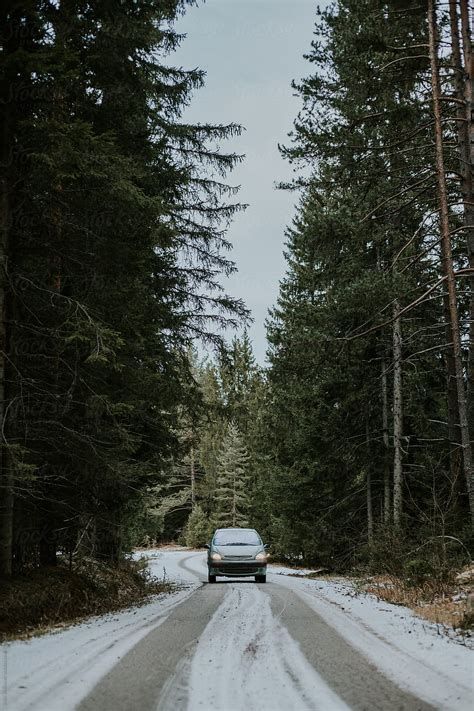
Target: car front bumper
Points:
(241, 569)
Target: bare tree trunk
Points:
(6, 471)
(370, 511)
(463, 89)
(451, 389)
(469, 198)
(448, 268)
(397, 416)
(463, 78)
(386, 446)
(108, 538)
(6, 146)
(193, 477)
(469, 78)
(234, 503)
(469, 203)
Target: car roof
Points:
(235, 528)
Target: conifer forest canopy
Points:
(129, 414)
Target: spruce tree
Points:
(114, 235)
(231, 496)
(347, 367)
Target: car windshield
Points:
(237, 537)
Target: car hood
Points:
(247, 551)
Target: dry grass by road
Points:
(449, 604)
(43, 599)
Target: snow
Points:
(56, 671)
(410, 651)
(407, 649)
(239, 655)
(293, 572)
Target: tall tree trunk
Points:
(370, 512)
(386, 446)
(463, 78)
(469, 79)
(448, 267)
(48, 544)
(397, 416)
(193, 475)
(108, 536)
(49, 522)
(6, 471)
(451, 389)
(10, 31)
(234, 502)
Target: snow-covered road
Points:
(292, 644)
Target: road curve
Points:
(239, 646)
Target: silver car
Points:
(237, 552)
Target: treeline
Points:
(371, 412)
(355, 445)
(361, 440)
(212, 480)
(112, 243)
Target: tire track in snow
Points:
(70, 662)
(246, 659)
(414, 670)
(196, 565)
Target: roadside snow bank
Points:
(407, 649)
(55, 671)
(169, 564)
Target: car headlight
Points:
(261, 556)
(216, 556)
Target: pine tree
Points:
(197, 532)
(232, 500)
(365, 240)
(114, 235)
(239, 377)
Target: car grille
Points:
(237, 570)
(237, 557)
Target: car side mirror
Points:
(266, 546)
(206, 545)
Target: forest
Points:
(129, 414)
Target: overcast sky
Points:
(251, 50)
